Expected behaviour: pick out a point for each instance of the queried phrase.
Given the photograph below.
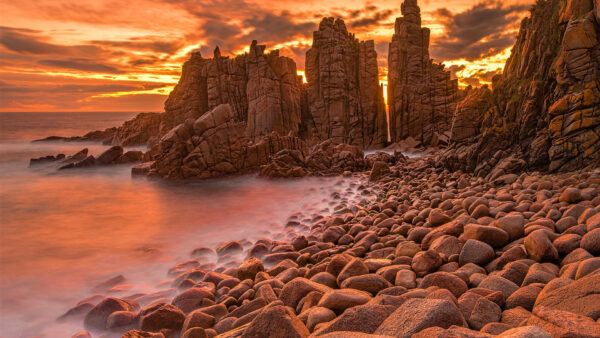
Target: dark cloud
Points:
(78, 88)
(85, 65)
(455, 69)
(480, 31)
(270, 27)
(31, 42)
(375, 19)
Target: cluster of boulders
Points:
(82, 159)
(425, 253)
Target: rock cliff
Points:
(345, 99)
(545, 108)
(421, 95)
(262, 90)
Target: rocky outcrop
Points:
(324, 159)
(262, 91)
(469, 114)
(421, 95)
(545, 107)
(137, 131)
(345, 100)
(216, 144)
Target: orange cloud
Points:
(109, 56)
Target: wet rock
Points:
(318, 315)
(297, 288)
(379, 170)
(563, 323)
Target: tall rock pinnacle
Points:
(345, 100)
(421, 96)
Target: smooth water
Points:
(61, 233)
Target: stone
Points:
(363, 318)
(406, 278)
(121, 321)
(340, 300)
(591, 242)
(445, 280)
(476, 252)
(288, 325)
(110, 156)
(372, 283)
(161, 316)
(491, 235)
(438, 217)
(318, 315)
(249, 268)
(407, 248)
(356, 267)
(563, 323)
(198, 318)
(417, 314)
(191, 299)
(524, 297)
(297, 288)
(484, 312)
(195, 332)
(580, 297)
(539, 247)
(425, 262)
(379, 170)
(497, 283)
(96, 318)
(570, 195)
(525, 332)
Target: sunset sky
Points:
(115, 55)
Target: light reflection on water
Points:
(63, 232)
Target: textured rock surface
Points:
(345, 99)
(262, 90)
(216, 145)
(544, 110)
(421, 96)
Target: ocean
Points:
(63, 232)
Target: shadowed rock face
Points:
(545, 108)
(422, 97)
(345, 99)
(262, 90)
(215, 145)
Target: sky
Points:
(115, 55)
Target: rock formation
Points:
(214, 145)
(544, 110)
(344, 97)
(262, 90)
(421, 96)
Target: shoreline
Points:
(415, 243)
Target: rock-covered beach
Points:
(492, 230)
